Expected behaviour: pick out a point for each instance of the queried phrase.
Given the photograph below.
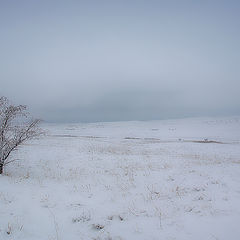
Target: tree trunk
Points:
(1, 168)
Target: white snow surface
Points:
(169, 179)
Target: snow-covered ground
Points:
(175, 179)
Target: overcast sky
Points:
(88, 61)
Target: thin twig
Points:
(10, 161)
(55, 223)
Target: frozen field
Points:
(175, 179)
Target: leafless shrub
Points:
(85, 217)
(16, 127)
(115, 216)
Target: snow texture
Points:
(171, 179)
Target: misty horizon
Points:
(107, 61)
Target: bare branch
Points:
(16, 127)
(5, 163)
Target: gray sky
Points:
(73, 61)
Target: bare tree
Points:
(16, 127)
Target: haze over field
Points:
(91, 61)
(141, 108)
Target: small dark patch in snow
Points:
(204, 141)
(97, 226)
(132, 138)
